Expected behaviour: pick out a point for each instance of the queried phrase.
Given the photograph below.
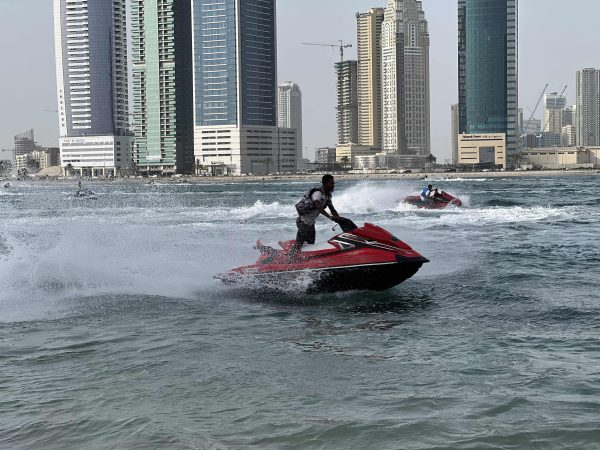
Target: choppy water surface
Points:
(114, 334)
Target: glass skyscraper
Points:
(162, 85)
(235, 64)
(488, 69)
(235, 89)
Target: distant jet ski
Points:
(84, 193)
(365, 258)
(440, 200)
(6, 185)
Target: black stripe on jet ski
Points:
(353, 238)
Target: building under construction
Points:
(347, 102)
(24, 143)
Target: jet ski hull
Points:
(439, 202)
(83, 194)
(378, 277)
(353, 262)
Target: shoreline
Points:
(192, 179)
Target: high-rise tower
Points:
(235, 88)
(289, 111)
(368, 26)
(554, 104)
(587, 111)
(488, 69)
(347, 102)
(454, 120)
(24, 143)
(162, 85)
(405, 79)
(91, 72)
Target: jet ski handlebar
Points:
(346, 225)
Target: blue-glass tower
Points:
(235, 66)
(488, 69)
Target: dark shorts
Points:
(306, 233)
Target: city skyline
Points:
(28, 87)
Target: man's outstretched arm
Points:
(319, 206)
(334, 213)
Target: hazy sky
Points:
(554, 42)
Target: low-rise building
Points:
(47, 157)
(22, 161)
(325, 155)
(244, 150)
(96, 155)
(324, 160)
(391, 161)
(482, 150)
(555, 158)
(549, 139)
(38, 159)
(346, 154)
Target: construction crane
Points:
(526, 127)
(341, 46)
(517, 157)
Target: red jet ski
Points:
(366, 258)
(440, 200)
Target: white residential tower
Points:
(289, 111)
(91, 73)
(405, 79)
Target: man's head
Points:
(429, 186)
(328, 183)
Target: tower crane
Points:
(341, 46)
(536, 107)
(518, 154)
(517, 157)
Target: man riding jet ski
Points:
(359, 258)
(362, 258)
(309, 208)
(84, 193)
(432, 198)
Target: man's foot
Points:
(264, 248)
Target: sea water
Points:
(114, 332)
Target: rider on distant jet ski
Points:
(426, 192)
(429, 194)
(309, 207)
